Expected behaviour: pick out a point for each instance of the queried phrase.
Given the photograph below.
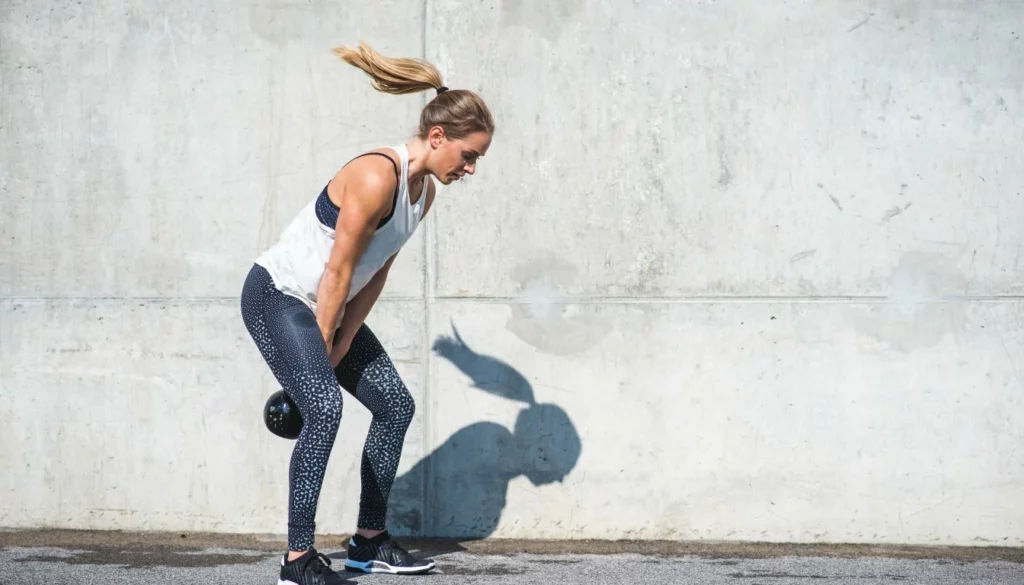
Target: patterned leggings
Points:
(288, 337)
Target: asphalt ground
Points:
(114, 558)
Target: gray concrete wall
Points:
(731, 270)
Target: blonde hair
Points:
(459, 112)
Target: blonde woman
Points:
(306, 298)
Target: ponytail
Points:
(391, 74)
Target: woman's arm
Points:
(359, 307)
(366, 198)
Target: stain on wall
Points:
(543, 319)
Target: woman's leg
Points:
(287, 335)
(367, 373)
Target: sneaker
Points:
(312, 568)
(381, 554)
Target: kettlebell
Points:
(281, 416)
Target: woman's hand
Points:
(339, 349)
(328, 341)
(327, 330)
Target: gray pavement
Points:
(114, 559)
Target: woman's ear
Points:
(436, 137)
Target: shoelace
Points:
(321, 566)
(396, 550)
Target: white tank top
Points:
(297, 260)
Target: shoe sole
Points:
(382, 567)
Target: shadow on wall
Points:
(466, 479)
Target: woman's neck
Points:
(419, 150)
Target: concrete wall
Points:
(731, 270)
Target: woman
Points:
(305, 299)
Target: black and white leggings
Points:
(287, 334)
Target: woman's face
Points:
(452, 159)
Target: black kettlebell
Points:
(281, 416)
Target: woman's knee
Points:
(392, 403)
(323, 410)
(402, 407)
